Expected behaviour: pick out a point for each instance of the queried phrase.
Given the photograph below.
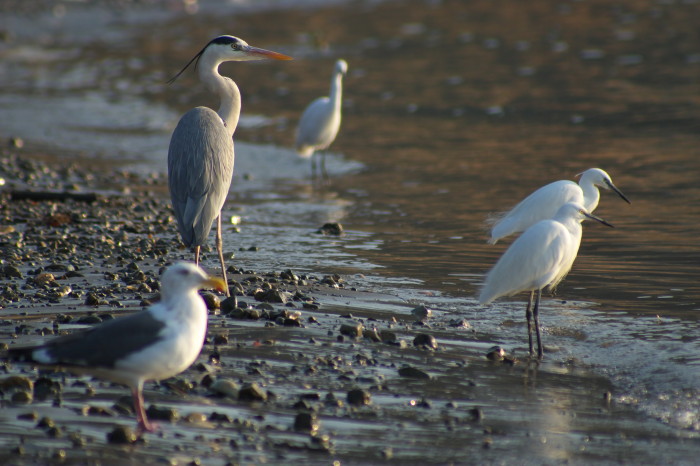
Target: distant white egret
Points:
(200, 157)
(544, 203)
(541, 257)
(320, 122)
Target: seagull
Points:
(153, 344)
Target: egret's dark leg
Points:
(196, 255)
(313, 166)
(528, 316)
(219, 248)
(536, 315)
(324, 173)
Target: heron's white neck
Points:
(226, 88)
(336, 93)
(591, 194)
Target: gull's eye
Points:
(183, 272)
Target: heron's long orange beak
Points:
(262, 53)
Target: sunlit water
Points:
(451, 114)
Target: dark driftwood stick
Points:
(52, 196)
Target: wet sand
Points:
(325, 390)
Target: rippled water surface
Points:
(452, 111)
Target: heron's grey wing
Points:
(100, 346)
(200, 167)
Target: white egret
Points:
(320, 122)
(154, 344)
(200, 157)
(544, 203)
(541, 257)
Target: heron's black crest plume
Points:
(219, 40)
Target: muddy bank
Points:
(307, 369)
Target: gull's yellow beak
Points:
(216, 283)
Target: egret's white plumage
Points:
(541, 257)
(320, 122)
(201, 156)
(153, 344)
(546, 201)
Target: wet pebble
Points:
(306, 422)
(252, 392)
(414, 373)
(421, 313)
(121, 435)
(211, 300)
(45, 388)
(353, 330)
(162, 414)
(359, 397)
(425, 340)
(22, 397)
(10, 271)
(91, 319)
(225, 387)
(460, 323)
(195, 418)
(272, 296)
(229, 304)
(388, 336)
(331, 229)
(371, 334)
(16, 383)
(495, 353)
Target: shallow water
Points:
(453, 111)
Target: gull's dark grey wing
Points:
(99, 346)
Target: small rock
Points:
(252, 392)
(331, 229)
(371, 334)
(359, 397)
(496, 353)
(225, 387)
(90, 320)
(121, 435)
(22, 397)
(425, 340)
(353, 330)
(413, 373)
(228, 305)
(162, 414)
(16, 382)
(211, 300)
(306, 422)
(422, 313)
(388, 336)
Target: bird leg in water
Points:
(536, 315)
(143, 423)
(219, 248)
(528, 317)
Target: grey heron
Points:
(320, 122)
(543, 203)
(154, 344)
(201, 156)
(541, 257)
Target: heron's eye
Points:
(236, 46)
